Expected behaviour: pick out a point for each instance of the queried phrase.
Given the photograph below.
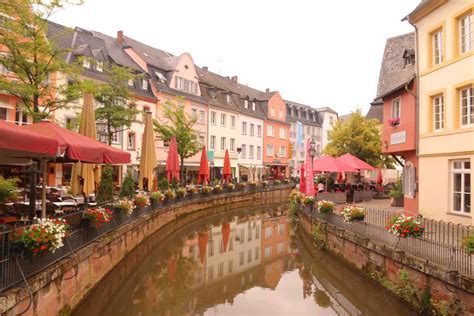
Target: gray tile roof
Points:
(376, 110)
(304, 108)
(393, 72)
(326, 109)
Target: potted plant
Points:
(206, 190)
(468, 244)
(157, 197)
(264, 183)
(396, 194)
(297, 196)
(44, 234)
(8, 189)
(125, 206)
(181, 193)
(325, 207)
(217, 188)
(230, 186)
(276, 182)
(352, 214)
(309, 200)
(97, 217)
(404, 226)
(141, 200)
(170, 194)
(286, 181)
(252, 185)
(241, 185)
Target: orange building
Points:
(276, 137)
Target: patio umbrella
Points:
(302, 180)
(172, 163)
(340, 178)
(148, 155)
(355, 162)
(379, 176)
(331, 164)
(87, 128)
(226, 172)
(225, 234)
(309, 170)
(203, 176)
(203, 237)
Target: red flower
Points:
(402, 235)
(38, 239)
(43, 247)
(36, 250)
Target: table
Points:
(38, 204)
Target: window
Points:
(461, 185)
(249, 255)
(282, 133)
(466, 33)
(184, 85)
(130, 82)
(86, 63)
(227, 98)
(280, 113)
(259, 131)
(194, 113)
(232, 144)
(244, 151)
(71, 123)
(281, 229)
(280, 247)
(283, 151)
(257, 253)
(145, 84)
(242, 235)
(3, 114)
(202, 116)
(131, 141)
(438, 110)
(396, 108)
(222, 143)
(268, 232)
(269, 150)
(213, 118)
(259, 152)
(223, 119)
(230, 266)
(241, 258)
(212, 144)
(253, 106)
(268, 251)
(272, 111)
(21, 118)
(331, 120)
(437, 39)
(202, 140)
(244, 128)
(467, 106)
(246, 104)
(409, 179)
(251, 151)
(99, 66)
(220, 269)
(270, 130)
(210, 248)
(308, 130)
(257, 232)
(232, 121)
(252, 129)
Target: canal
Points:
(242, 262)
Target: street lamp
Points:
(312, 153)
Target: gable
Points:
(184, 75)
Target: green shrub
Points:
(468, 244)
(8, 189)
(163, 185)
(128, 186)
(105, 191)
(174, 183)
(397, 190)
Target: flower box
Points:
(352, 214)
(97, 216)
(394, 122)
(325, 207)
(404, 226)
(141, 200)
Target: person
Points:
(320, 187)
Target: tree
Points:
(128, 186)
(114, 97)
(105, 191)
(31, 59)
(359, 137)
(178, 123)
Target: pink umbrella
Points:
(203, 176)
(302, 180)
(339, 177)
(355, 162)
(226, 171)
(309, 170)
(172, 162)
(331, 164)
(379, 177)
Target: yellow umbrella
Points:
(85, 170)
(148, 155)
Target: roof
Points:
(302, 119)
(326, 109)
(151, 55)
(375, 111)
(393, 72)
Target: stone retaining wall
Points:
(62, 286)
(384, 262)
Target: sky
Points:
(315, 52)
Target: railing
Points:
(441, 242)
(17, 265)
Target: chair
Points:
(20, 208)
(52, 208)
(54, 198)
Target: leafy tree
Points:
(128, 186)
(114, 97)
(105, 191)
(178, 123)
(8, 189)
(31, 58)
(359, 137)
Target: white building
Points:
(328, 117)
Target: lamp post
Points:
(312, 152)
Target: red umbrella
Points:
(225, 234)
(302, 180)
(203, 176)
(331, 164)
(73, 146)
(202, 243)
(226, 172)
(17, 142)
(340, 179)
(355, 162)
(379, 176)
(172, 163)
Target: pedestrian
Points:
(320, 187)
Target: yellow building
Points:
(445, 55)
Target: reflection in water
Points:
(242, 263)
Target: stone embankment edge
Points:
(65, 284)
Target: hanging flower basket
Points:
(297, 196)
(309, 201)
(217, 188)
(98, 216)
(394, 122)
(44, 235)
(230, 186)
(206, 190)
(170, 195)
(141, 200)
(157, 196)
(264, 183)
(404, 226)
(325, 207)
(352, 214)
(125, 206)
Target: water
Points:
(246, 262)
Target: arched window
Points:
(409, 179)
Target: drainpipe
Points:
(417, 94)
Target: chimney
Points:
(205, 68)
(267, 91)
(235, 79)
(120, 37)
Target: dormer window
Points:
(227, 98)
(86, 63)
(145, 84)
(409, 60)
(99, 66)
(307, 115)
(299, 114)
(186, 85)
(130, 82)
(293, 112)
(253, 106)
(160, 77)
(246, 104)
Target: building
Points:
(310, 127)
(396, 92)
(445, 67)
(327, 117)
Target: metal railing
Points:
(441, 242)
(16, 264)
